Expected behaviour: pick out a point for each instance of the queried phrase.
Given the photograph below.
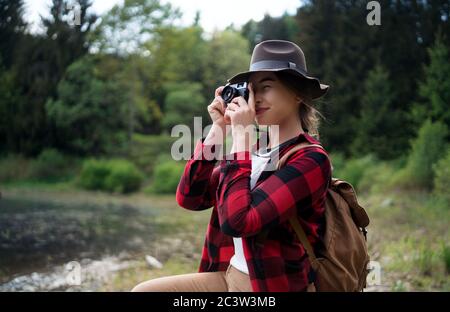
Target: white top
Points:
(259, 161)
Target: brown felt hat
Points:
(281, 55)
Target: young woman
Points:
(248, 200)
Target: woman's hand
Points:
(242, 116)
(240, 112)
(216, 109)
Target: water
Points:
(39, 237)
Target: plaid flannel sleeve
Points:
(198, 183)
(302, 181)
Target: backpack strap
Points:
(261, 237)
(293, 220)
(289, 153)
(304, 240)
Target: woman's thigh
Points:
(237, 280)
(196, 282)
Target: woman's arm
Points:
(300, 183)
(198, 184)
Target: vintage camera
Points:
(235, 90)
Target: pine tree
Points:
(68, 41)
(377, 132)
(12, 27)
(282, 28)
(341, 49)
(336, 42)
(434, 89)
(40, 63)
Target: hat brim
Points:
(315, 88)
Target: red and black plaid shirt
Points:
(299, 188)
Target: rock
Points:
(93, 274)
(387, 202)
(153, 262)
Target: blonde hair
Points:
(309, 115)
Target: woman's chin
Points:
(261, 121)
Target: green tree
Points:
(338, 51)
(441, 171)
(183, 102)
(341, 49)
(39, 63)
(182, 56)
(12, 27)
(144, 114)
(88, 112)
(177, 56)
(434, 90)
(9, 97)
(226, 55)
(127, 27)
(427, 149)
(66, 42)
(376, 132)
(284, 28)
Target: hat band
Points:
(261, 65)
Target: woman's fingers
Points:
(241, 101)
(232, 106)
(218, 91)
(221, 103)
(236, 100)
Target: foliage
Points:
(12, 26)
(50, 165)
(13, 168)
(441, 171)
(434, 90)
(341, 49)
(354, 169)
(182, 103)
(145, 150)
(126, 27)
(283, 27)
(226, 55)
(166, 177)
(88, 112)
(39, 62)
(88, 89)
(426, 150)
(114, 175)
(377, 124)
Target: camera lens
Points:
(228, 93)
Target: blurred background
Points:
(89, 93)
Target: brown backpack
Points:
(343, 264)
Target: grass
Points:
(446, 257)
(126, 279)
(39, 185)
(406, 235)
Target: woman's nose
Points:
(257, 97)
